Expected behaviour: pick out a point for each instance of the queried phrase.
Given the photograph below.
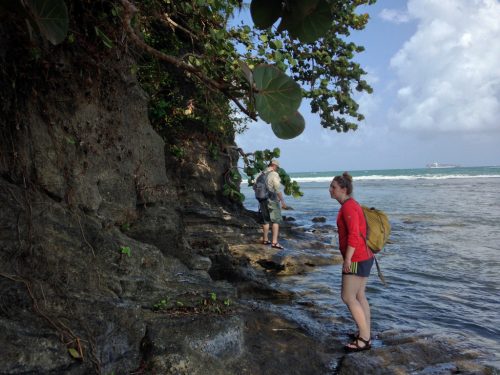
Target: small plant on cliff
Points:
(231, 188)
(125, 227)
(177, 151)
(125, 250)
(161, 305)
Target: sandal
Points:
(277, 246)
(355, 345)
(353, 336)
(265, 242)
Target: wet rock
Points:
(285, 262)
(413, 354)
(197, 262)
(319, 219)
(249, 343)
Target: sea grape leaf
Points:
(292, 16)
(276, 94)
(289, 127)
(308, 20)
(265, 12)
(51, 17)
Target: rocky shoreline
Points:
(222, 312)
(393, 352)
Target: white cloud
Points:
(448, 71)
(394, 16)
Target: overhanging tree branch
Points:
(129, 11)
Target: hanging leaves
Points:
(265, 12)
(289, 127)
(51, 18)
(306, 20)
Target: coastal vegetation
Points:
(208, 75)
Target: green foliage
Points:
(177, 151)
(104, 38)
(125, 250)
(276, 94)
(289, 127)
(50, 17)
(256, 162)
(125, 227)
(306, 20)
(231, 188)
(161, 305)
(325, 70)
(182, 106)
(74, 353)
(310, 45)
(209, 304)
(213, 151)
(265, 12)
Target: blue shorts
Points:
(362, 268)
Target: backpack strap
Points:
(379, 271)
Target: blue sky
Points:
(435, 69)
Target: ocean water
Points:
(442, 267)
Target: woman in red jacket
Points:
(358, 259)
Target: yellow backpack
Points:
(378, 228)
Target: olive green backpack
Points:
(378, 228)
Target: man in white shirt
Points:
(270, 208)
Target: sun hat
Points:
(275, 162)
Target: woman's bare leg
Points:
(361, 297)
(352, 286)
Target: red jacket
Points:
(351, 226)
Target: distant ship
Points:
(441, 165)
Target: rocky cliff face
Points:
(113, 254)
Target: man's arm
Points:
(280, 197)
(276, 184)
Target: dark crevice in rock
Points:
(53, 196)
